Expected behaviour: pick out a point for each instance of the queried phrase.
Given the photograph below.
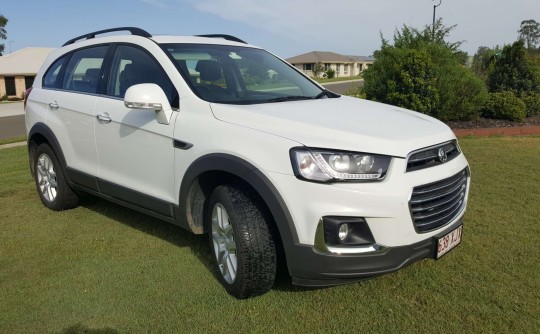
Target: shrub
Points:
(504, 105)
(425, 74)
(512, 71)
(532, 104)
(4, 98)
(402, 77)
(330, 73)
(356, 91)
(462, 95)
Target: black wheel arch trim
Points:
(43, 130)
(251, 175)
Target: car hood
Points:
(343, 123)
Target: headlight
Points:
(331, 166)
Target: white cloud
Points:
(330, 25)
(352, 26)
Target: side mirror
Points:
(149, 96)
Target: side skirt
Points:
(129, 198)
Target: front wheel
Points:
(51, 184)
(241, 243)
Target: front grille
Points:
(429, 156)
(436, 204)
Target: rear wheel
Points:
(241, 243)
(51, 184)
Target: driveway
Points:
(12, 120)
(343, 87)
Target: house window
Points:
(28, 81)
(346, 68)
(326, 67)
(360, 67)
(10, 86)
(308, 67)
(338, 68)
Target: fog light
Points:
(343, 231)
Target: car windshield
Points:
(240, 75)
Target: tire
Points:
(51, 185)
(241, 243)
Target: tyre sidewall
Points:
(222, 195)
(65, 197)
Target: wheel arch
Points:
(39, 134)
(211, 170)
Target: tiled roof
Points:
(26, 61)
(327, 57)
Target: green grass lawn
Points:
(12, 140)
(102, 268)
(336, 79)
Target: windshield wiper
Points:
(326, 93)
(289, 98)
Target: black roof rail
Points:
(227, 37)
(132, 30)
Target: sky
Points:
(284, 27)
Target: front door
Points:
(135, 152)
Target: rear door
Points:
(135, 152)
(71, 108)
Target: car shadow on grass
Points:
(81, 329)
(176, 236)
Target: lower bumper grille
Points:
(436, 204)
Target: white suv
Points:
(222, 137)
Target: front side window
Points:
(83, 72)
(239, 75)
(132, 66)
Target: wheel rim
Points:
(224, 244)
(46, 177)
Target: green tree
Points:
(425, 74)
(513, 72)
(404, 77)
(318, 68)
(484, 61)
(3, 32)
(529, 32)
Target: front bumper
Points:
(310, 267)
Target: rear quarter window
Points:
(52, 76)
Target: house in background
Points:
(18, 70)
(345, 66)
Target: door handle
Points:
(103, 118)
(53, 105)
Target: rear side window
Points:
(83, 72)
(51, 78)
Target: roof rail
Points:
(227, 37)
(132, 30)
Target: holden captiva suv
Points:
(223, 138)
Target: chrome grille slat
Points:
(440, 210)
(436, 204)
(457, 179)
(429, 157)
(422, 199)
(434, 224)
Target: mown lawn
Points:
(101, 268)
